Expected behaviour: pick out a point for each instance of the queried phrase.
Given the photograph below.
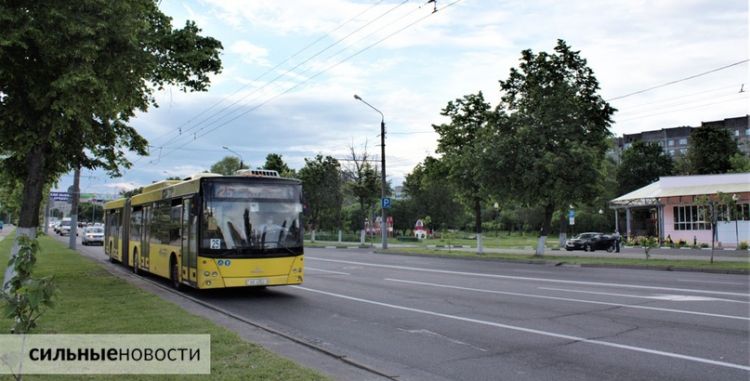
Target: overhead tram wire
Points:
(678, 80)
(298, 52)
(288, 71)
(668, 100)
(682, 105)
(304, 71)
(318, 74)
(683, 109)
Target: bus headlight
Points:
(206, 273)
(214, 274)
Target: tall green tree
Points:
(548, 153)
(362, 181)
(72, 74)
(274, 162)
(323, 188)
(227, 166)
(460, 143)
(710, 149)
(430, 195)
(642, 163)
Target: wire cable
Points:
(287, 72)
(678, 80)
(298, 52)
(366, 48)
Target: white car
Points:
(93, 235)
(64, 227)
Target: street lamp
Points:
(238, 155)
(383, 224)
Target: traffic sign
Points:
(385, 202)
(59, 196)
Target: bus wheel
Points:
(135, 262)
(174, 274)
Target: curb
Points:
(565, 264)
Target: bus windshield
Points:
(251, 220)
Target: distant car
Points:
(93, 235)
(64, 227)
(591, 241)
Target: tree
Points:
(131, 193)
(430, 195)
(274, 162)
(362, 181)
(460, 143)
(72, 74)
(642, 164)
(322, 184)
(549, 150)
(740, 163)
(227, 166)
(710, 149)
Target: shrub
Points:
(704, 245)
(743, 245)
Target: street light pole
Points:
(238, 155)
(383, 222)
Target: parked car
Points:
(93, 235)
(591, 241)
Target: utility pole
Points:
(74, 209)
(383, 206)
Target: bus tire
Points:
(174, 274)
(135, 261)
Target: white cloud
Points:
(250, 53)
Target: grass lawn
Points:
(645, 263)
(492, 239)
(90, 300)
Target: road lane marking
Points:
(427, 332)
(710, 282)
(326, 271)
(533, 331)
(680, 298)
(485, 275)
(569, 299)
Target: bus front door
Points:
(189, 259)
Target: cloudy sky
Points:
(291, 69)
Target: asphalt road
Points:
(417, 318)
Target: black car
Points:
(591, 241)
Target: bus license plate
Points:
(257, 282)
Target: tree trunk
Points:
(28, 219)
(546, 228)
(74, 209)
(478, 223)
(563, 233)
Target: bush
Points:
(704, 246)
(743, 245)
(404, 238)
(681, 243)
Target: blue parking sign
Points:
(386, 202)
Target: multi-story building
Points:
(674, 140)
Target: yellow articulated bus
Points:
(211, 231)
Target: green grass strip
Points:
(91, 300)
(675, 264)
